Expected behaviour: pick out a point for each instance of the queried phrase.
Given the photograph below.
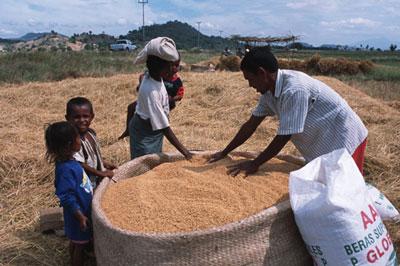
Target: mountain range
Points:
(185, 37)
(32, 36)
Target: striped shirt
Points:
(318, 119)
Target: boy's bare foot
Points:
(124, 135)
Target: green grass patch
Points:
(49, 66)
(384, 73)
(385, 90)
(56, 65)
(375, 56)
(192, 57)
(386, 63)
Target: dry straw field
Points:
(214, 106)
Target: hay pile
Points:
(187, 196)
(229, 63)
(208, 65)
(314, 65)
(222, 63)
(215, 104)
(328, 66)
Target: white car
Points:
(123, 45)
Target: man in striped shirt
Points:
(311, 114)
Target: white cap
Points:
(162, 47)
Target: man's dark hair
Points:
(78, 101)
(155, 64)
(259, 57)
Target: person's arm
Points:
(92, 171)
(169, 134)
(141, 76)
(131, 109)
(180, 93)
(65, 190)
(244, 133)
(68, 200)
(83, 220)
(130, 113)
(251, 166)
(96, 147)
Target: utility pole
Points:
(220, 35)
(198, 33)
(143, 2)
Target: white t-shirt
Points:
(152, 102)
(317, 117)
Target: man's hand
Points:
(216, 157)
(248, 167)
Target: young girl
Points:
(175, 90)
(150, 122)
(73, 187)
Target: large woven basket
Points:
(267, 238)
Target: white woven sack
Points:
(384, 207)
(335, 215)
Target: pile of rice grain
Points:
(186, 196)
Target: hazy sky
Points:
(316, 21)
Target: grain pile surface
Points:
(186, 196)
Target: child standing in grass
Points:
(150, 122)
(175, 90)
(80, 114)
(73, 187)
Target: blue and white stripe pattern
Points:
(317, 117)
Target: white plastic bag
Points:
(335, 215)
(384, 207)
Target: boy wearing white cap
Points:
(150, 122)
